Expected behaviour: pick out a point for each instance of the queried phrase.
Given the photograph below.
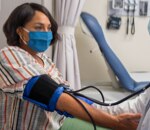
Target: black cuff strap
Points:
(43, 89)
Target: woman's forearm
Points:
(68, 104)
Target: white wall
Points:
(133, 50)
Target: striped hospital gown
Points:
(16, 68)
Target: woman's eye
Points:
(49, 28)
(41, 28)
(38, 28)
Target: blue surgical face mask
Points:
(39, 41)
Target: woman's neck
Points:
(29, 50)
(33, 53)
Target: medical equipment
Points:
(120, 73)
(143, 8)
(117, 4)
(113, 22)
(46, 96)
(131, 8)
(133, 22)
(148, 27)
(128, 10)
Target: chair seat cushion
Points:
(76, 124)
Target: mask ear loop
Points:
(21, 37)
(26, 30)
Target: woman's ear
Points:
(19, 31)
(22, 34)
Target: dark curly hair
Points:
(22, 15)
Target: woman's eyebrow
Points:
(38, 23)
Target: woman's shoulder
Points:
(12, 53)
(11, 48)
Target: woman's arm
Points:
(120, 122)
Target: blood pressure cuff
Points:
(44, 92)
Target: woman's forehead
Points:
(39, 18)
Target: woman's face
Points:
(39, 22)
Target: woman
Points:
(30, 30)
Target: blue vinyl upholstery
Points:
(115, 64)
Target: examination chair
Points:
(121, 76)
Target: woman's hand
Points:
(127, 121)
